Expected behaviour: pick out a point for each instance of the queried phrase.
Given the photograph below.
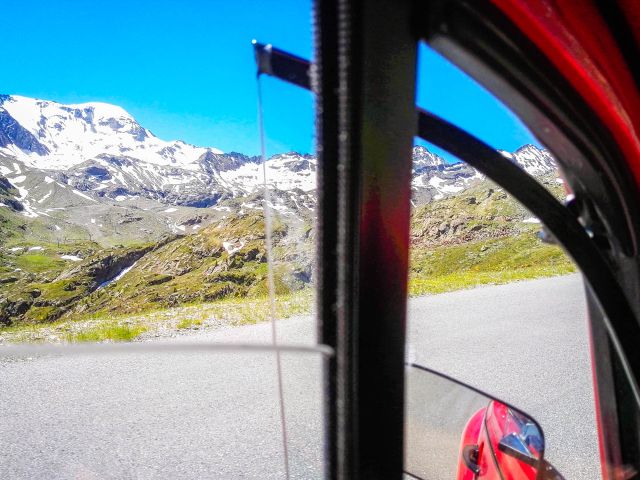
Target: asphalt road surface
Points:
(215, 415)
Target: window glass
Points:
(138, 306)
(492, 305)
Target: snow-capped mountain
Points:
(533, 159)
(423, 159)
(95, 154)
(432, 175)
(100, 149)
(50, 135)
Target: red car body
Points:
(481, 455)
(575, 37)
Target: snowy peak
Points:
(61, 156)
(55, 136)
(12, 134)
(533, 160)
(423, 158)
(286, 171)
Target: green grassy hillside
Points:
(40, 283)
(481, 236)
(490, 261)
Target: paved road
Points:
(194, 415)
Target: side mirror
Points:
(455, 431)
(514, 446)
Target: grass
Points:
(235, 310)
(38, 263)
(432, 270)
(40, 314)
(466, 280)
(60, 291)
(495, 261)
(107, 327)
(187, 323)
(106, 332)
(472, 239)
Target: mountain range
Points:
(59, 157)
(95, 209)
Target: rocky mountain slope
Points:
(97, 157)
(99, 215)
(46, 281)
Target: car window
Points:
(156, 290)
(492, 305)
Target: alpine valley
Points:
(98, 216)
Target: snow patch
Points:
(79, 132)
(28, 211)
(284, 172)
(19, 179)
(169, 210)
(23, 193)
(45, 197)
(437, 183)
(122, 273)
(73, 258)
(80, 194)
(232, 248)
(253, 206)
(278, 208)
(531, 220)
(36, 249)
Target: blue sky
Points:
(185, 70)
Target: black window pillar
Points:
(366, 121)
